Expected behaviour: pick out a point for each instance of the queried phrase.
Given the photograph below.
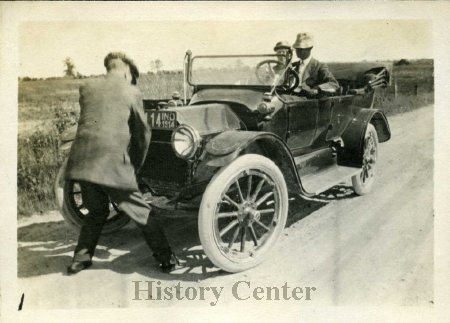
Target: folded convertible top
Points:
(356, 71)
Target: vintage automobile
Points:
(244, 141)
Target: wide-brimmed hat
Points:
(304, 40)
(282, 45)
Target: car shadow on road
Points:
(300, 208)
(47, 248)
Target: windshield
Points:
(237, 70)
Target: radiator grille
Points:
(161, 164)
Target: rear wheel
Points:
(243, 212)
(363, 182)
(70, 203)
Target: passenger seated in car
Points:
(284, 52)
(176, 100)
(314, 75)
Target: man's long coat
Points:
(113, 135)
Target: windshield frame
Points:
(273, 56)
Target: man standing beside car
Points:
(314, 75)
(110, 146)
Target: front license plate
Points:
(162, 119)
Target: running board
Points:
(329, 177)
(170, 208)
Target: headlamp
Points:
(185, 141)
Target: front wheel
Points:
(363, 182)
(243, 212)
(70, 203)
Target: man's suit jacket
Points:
(315, 74)
(113, 135)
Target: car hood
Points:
(247, 97)
(207, 118)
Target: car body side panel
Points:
(303, 120)
(326, 106)
(340, 117)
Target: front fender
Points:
(231, 141)
(227, 146)
(353, 137)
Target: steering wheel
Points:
(266, 70)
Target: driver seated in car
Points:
(314, 76)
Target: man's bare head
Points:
(118, 62)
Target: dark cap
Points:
(282, 45)
(122, 56)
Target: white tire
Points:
(363, 182)
(245, 200)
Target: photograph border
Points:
(13, 14)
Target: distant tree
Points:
(70, 70)
(152, 67)
(156, 65)
(402, 62)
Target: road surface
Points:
(370, 250)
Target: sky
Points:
(44, 45)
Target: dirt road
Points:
(371, 250)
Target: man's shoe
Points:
(171, 264)
(78, 266)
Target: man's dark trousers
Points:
(96, 200)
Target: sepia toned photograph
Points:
(208, 164)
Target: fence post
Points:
(395, 89)
(416, 87)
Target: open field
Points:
(416, 76)
(48, 107)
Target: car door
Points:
(334, 114)
(302, 123)
(325, 108)
(341, 116)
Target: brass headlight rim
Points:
(195, 137)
